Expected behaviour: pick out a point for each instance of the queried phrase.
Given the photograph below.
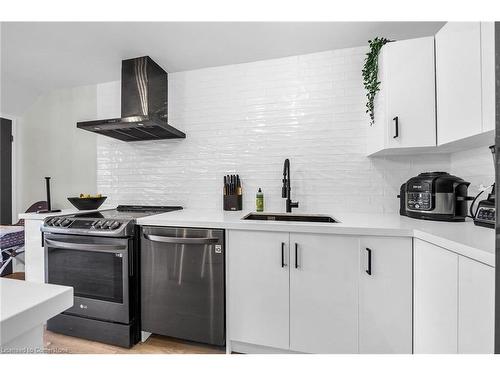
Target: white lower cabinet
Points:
(258, 287)
(34, 255)
(318, 298)
(476, 306)
(385, 295)
(453, 302)
(436, 297)
(323, 293)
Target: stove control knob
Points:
(97, 224)
(56, 222)
(115, 225)
(105, 224)
(65, 223)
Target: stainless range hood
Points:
(144, 106)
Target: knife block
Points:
(233, 202)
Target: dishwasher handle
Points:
(182, 240)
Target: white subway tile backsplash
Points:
(474, 165)
(247, 119)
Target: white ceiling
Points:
(39, 57)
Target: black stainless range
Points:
(97, 253)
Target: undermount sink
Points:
(290, 217)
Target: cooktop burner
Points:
(127, 212)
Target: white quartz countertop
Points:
(24, 305)
(463, 238)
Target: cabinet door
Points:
(34, 253)
(385, 295)
(435, 299)
(323, 293)
(488, 74)
(476, 307)
(258, 287)
(411, 100)
(458, 81)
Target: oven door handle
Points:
(85, 247)
(182, 240)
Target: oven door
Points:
(98, 270)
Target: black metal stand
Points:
(49, 204)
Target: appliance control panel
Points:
(485, 215)
(106, 224)
(419, 201)
(59, 222)
(91, 224)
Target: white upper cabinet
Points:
(488, 74)
(436, 91)
(411, 93)
(459, 81)
(405, 106)
(385, 295)
(323, 293)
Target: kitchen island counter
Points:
(24, 308)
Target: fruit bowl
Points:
(87, 203)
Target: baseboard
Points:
(246, 348)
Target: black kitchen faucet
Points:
(286, 189)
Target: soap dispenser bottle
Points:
(259, 201)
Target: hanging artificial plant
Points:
(370, 74)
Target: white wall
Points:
(51, 145)
(247, 119)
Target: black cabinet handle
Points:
(283, 255)
(369, 270)
(296, 255)
(396, 125)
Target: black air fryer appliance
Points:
(434, 196)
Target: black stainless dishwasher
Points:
(182, 283)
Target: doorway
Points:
(5, 171)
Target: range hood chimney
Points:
(144, 105)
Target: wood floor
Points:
(61, 344)
(15, 275)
